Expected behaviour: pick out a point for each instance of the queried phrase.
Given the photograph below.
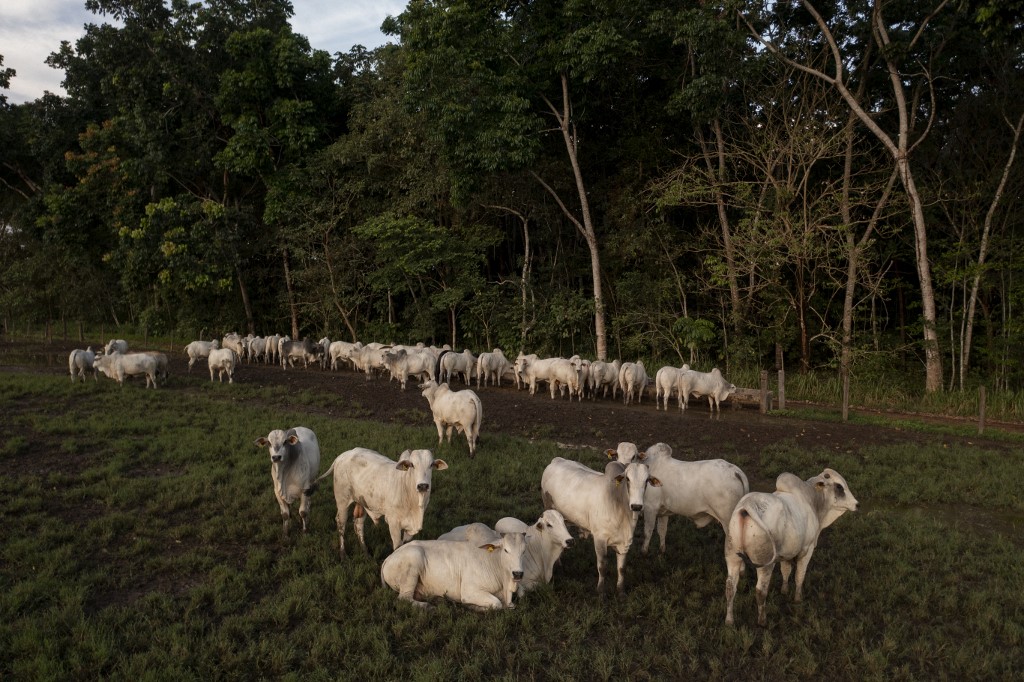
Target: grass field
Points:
(141, 540)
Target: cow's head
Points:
(636, 476)
(626, 453)
(836, 494)
(512, 546)
(419, 466)
(280, 444)
(551, 527)
(657, 451)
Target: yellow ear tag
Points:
(617, 482)
(490, 548)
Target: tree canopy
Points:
(827, 185)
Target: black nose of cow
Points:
(517, 575)
(275, 458)
(636, 507)
(423, 487)
(568, 543)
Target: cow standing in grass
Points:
(294, 463)
(782, 527)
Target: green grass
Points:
(141, 540)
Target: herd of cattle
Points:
(484, 567)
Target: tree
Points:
(897, 48)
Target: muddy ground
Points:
(601, 423)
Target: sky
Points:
(32, 29)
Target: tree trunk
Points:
(716, 164)
(586, 228)
(246, 305)
(292, 306)
(965, 350)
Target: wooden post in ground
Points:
(81, 332)
(981, 410)
(782, 389)
(764, 391)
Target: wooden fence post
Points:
(81, 332)
(782, 389)
(764, 391)
(981, 410)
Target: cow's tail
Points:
(742, 478)
(329, 472)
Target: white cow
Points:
(294, 463)
(604, 375)
(118, 366)
(702, 491)
(116, 346)
(633, 380)
(381, 487)
(519, 366)
(233, 341)
(270, 355)
(199, 349)
(403, 363)
(665, 382)
(545, 541)
(482, 577)
(257, 349)
(463, 363)
(79, 361)
(340, 350)
(461, 410)
(782, 527)
(223, 361)
(605, 505)
(491, 367)
(712, 384)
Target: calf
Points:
(294, 463)
(666, 381)
(380, 487)
(782, 527)
(599, 504)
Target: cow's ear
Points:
(404, 465)
(440, 464)
(489, 547)
(293, 439)
(654, 481)
(540, 524)
(611, 453)
(618, 479)
(820, 484)
(641, 455)
(261, 442)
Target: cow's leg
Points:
(304, 505)
(397, 535)
(764, 579)
(734, 567)
(359, 523)
(440, 429)
(286, 514)
(801, 571)
(342, 520)
(480, 600)
(785, 567)
(663, 531)
(650, 520)
(448, 433)
(620, 557)
(600, 550)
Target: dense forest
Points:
(817, 185)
